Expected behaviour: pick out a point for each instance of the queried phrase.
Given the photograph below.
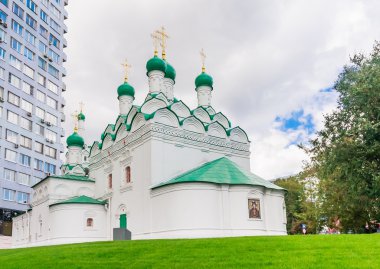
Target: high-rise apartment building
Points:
(31, 103)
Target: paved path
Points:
(5, 242)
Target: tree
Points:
(346, 153)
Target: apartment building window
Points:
(16, 45)
(53, 71)
(30, 38)
(43, 16)
(12, 117)
(11, 136)
(27, 88)
(54, 41)
(1, 92)
(28, 54)
(40, 113)
(14, 81)
(18, 11)
(50, 135)
(40, 96)
(27, 106)
(43, 32)
(54, 56)
(8, 195)
(2, 35)
(51, 118)
(39, 130)
(2, 74)
(52, 87)
(55, 25)
(13, 99)
(31, 5)
(2, 53)
(42, 63)
(16, 63)
(17, 28)
(51, 102)
(4, 2)
(39, 147)
(25, 142)
(24, 159)
(22, 197)
(42, 47)
(38, 165)
(10, 155)
(41, 80)
(26, 124)
(50, 152)
(23, 179)
(9, 175)
(31, 22)
(49, 168)
(28, 71)
(58, 1)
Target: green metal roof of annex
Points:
(81, 200)
(220, 171)
(67, 177)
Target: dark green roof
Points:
(170, 71)
(67, 177)
(221, 171)
(155, 63)
(203, 80)
(125, 89)
(75, 140)
(81, 116)
(81, 200)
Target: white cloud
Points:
(268, 58)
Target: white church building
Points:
(161, 170)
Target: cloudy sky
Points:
(273, 62)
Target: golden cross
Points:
(163, 38)
(203, 59)
(81, 105)
(127, 67)
(156, 41)
(75, 118)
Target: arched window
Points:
(90, 222)
(128, 174)
(110, 181)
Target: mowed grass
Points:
(311, 251)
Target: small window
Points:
(110, 181)
(128, 174)
(90, 222)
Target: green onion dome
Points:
(81, 116)
(170, 71)
(125, 89)
(203, 80)
(155, 63)
(75, 140)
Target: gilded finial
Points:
(203, 59)
(75, 118)
(127, 67)
(81, 105)
(163, 36)
(156, 41)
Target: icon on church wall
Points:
(254, 208)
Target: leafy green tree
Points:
(346, 153)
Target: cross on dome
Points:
(203, 59)
(156, 41)
(75, 119)
(163, 36)
(126, 67)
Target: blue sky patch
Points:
(298, 120)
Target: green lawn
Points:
(311, 251)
